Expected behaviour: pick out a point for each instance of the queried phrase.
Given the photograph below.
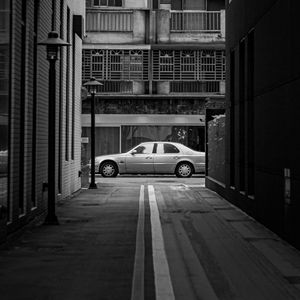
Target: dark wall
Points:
(215, 5)
(276, 93)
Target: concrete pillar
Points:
(138, 87)
(222, 87)
(139, 29)
(223, 23)
(152, 26)
(163, 87)
(163, 26)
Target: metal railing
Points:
(195, 87)
(195, 21)
(106, 20)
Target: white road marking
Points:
(137, 290)
(162, 278)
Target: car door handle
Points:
(148, 157)
(175, 157)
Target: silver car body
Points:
(154, 161)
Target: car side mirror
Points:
(133, 152)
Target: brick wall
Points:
(29, 119)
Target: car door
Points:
(166, 157)
(140, 160)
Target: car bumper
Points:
(200, 168)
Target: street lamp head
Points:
(92, 85)
(53, 43)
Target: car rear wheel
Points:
(109, 169)
(184, 170)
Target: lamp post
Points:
(91, 86)
(53, 44)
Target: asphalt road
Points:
(150, 238)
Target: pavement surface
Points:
(151, 238)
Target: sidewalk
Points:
(88, 256)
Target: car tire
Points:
(109, 169)
(184, 170)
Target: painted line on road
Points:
(162, 278)
(137, 290)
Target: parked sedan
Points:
(153, 158)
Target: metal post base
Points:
(51, 220)
(93, 186)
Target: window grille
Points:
(107, 2)
(136, 64)
(174, 65)
(97, 64)
(116, 64)
(207, 65)
(166, 63)
(188, 65)
(223, 65)
(116, 58)
(187, 87)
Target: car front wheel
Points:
(109, 169)
(184, 170)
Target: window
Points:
(108, 3)
(208, 65)
(4, 16)
(144, 149)
(67, 110)
(98, 64)
(116, 63)
(167, 149)
(188, 65)
(166, 62)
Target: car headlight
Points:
(97, 160)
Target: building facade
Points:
(24, 106)
(160, 63)
(262, 117)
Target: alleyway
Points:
(149, 238)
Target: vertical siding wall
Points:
(27, 198)
(273, 107)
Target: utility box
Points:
(84, 175)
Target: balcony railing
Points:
(195, 21)
(106, 20)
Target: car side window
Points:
(144, 149)
(169, 148)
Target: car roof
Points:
(161, 142)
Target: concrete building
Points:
(24, 106)
(160, 63)
(262, 118)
